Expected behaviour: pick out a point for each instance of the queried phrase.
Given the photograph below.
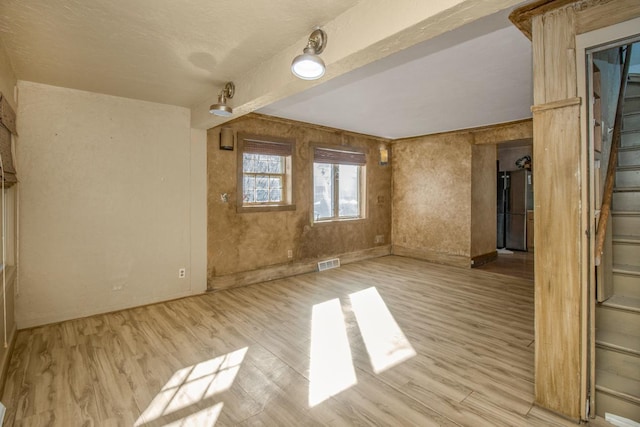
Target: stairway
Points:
(618, 318)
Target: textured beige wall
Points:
(106, 203)
(483, 200)
(240, 242)
(432, 197)
(518, 130)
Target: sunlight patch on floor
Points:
(193, 384)
(331, 365)
(386, 343)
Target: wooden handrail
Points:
(605, 210)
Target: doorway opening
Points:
(515, 196)
(514, 210)
(613, 149)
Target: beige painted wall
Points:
(242, 242)
(112, 201)
(483, 200)
(432, 197)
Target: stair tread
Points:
(630, 147)
(628, 168)
(625, 213)
(628, 269)
(634, 240)
(606, 381)
(623, 302)
(618, 341)
(626, 189)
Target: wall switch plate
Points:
(182, 273)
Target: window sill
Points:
(265, 208)
(337, 221)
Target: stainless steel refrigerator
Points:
(515, 197)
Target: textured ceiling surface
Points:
(477, 75)
(168, 51)
(182, 52)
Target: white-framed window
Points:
(263, 179)
(265, 167)
(338, 184)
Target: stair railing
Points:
(605, 210)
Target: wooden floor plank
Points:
(517, 263)
(242, 356)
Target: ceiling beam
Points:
(505, 132)
(367, 32)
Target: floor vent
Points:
(617, 420)
(330, 263)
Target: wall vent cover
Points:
(330, 263)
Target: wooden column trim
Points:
(558, 238)
(605, 14)
(592, 14)
(563, 103)
(522, 16)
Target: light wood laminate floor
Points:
(390, 341)
(517, 264)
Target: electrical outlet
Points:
(289, 253)
(182, 273)
(379, 238)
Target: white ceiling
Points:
(181, 53)
(477, 75)
(167, 51)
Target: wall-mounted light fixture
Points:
(384, 155)
(227, 139)
(309, 66)
(221, 108)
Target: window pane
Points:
(262, 165)
(262, 182)
(275, 195)
(348, 191)
(322, 191)
(248, 162)
(249, 183)
(248, 196)
(276, 165)
(262, 196)
(275, 183)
